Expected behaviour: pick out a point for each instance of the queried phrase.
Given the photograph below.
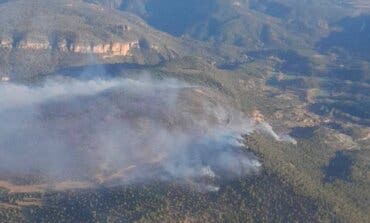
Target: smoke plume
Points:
(122, 130)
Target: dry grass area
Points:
(29, 202)
(32, 188)
(8, 206)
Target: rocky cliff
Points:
(39, 37)
(106, 50)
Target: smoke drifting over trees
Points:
(121, 131)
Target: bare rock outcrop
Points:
(37, 45)
(106, 50)
(6, 43)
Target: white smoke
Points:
(265, 127)
(122, 130)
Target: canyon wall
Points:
(111, 49)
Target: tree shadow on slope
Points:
(350, 110)
(339, 168)
(175, 17)
(290, 61)
(352, 38)
(272, 8)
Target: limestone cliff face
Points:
(106, 50)
(30, 45)
(120, 49)
(112, 49)
(6, 43)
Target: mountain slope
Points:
(42, 35)
(247, 23)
